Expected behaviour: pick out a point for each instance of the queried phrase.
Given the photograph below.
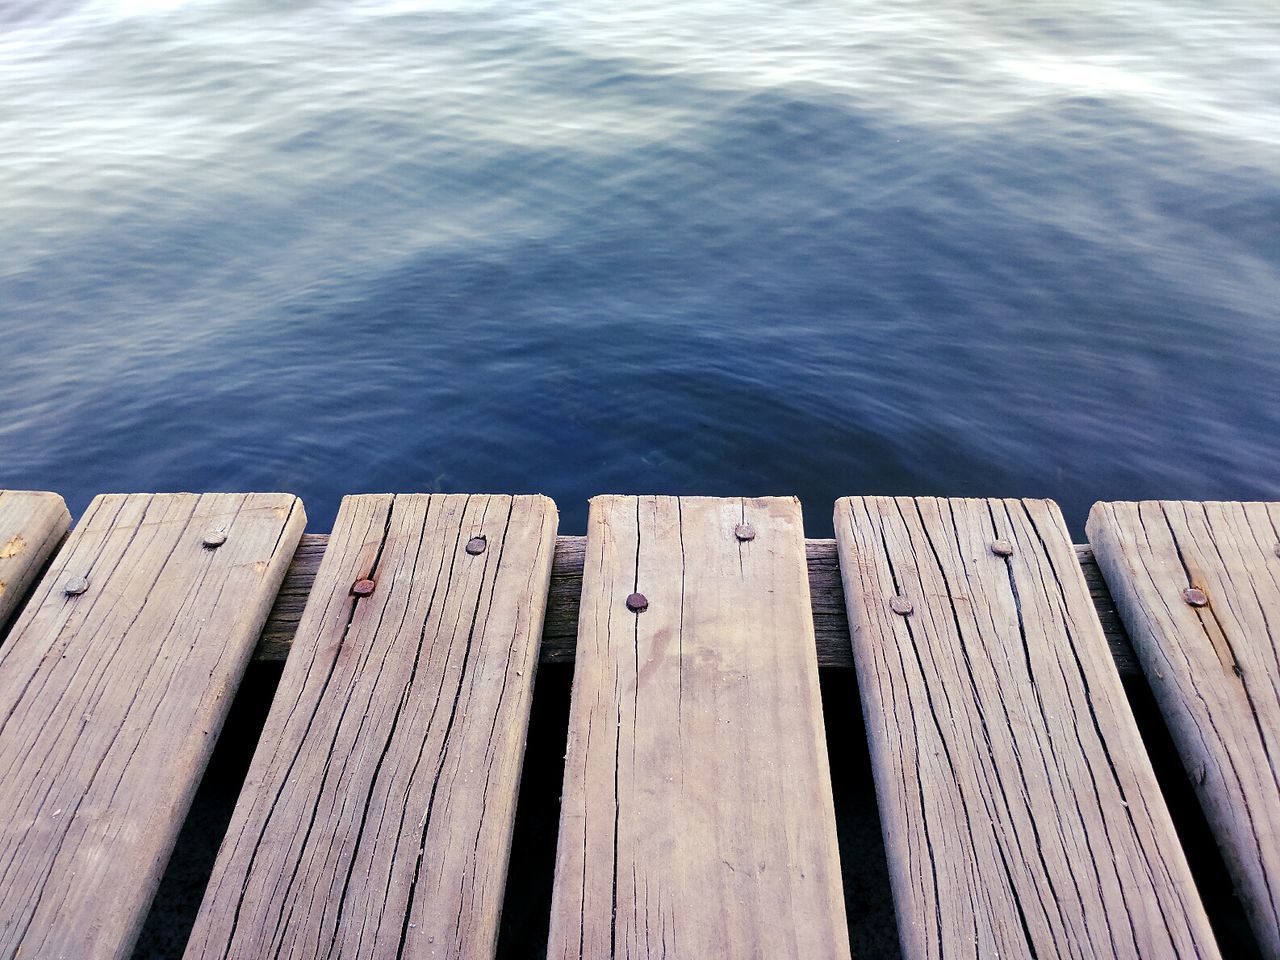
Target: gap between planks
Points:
(559, 633)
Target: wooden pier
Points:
(1021, 813)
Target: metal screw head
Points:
(637, 603)
(362, 588)
(1196, 597)
(476, 545)
(1002, 548)
(744, 532)
(901, 606)
(75, 586)
(215, 538)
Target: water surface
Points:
(729, 247)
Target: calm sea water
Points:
(710, 246)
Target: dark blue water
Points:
(729, 247)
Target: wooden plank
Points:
(697, 816)
(560, 629)
(1214, 669)
(1020, 812)
(32, 525)
(376, 818)
(111, 700)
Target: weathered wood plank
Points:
(1020, 812)
(697, 817)
(111, 698)
(1215, 668)
(376, 818)
(560, 631)
(32, 525)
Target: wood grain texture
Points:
(376, 818)
(697, 816)
(110, 703)
(560, 629)
(1020, 811)
(32, 524)
(1215, 670)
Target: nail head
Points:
(901, 606)
(76, 586)
(1002, 548)
(637, 603)
(362, 588)
(215, 538)
(744, 532)
(1196, 597)
(476, 545)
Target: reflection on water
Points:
(708, 247)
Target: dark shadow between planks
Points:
(173, 912)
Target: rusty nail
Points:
(1195, 596)
(215, 538)
(901, 606)
(637, 603)
(476, 545)
(362, 588)
(1001, 548)
(76, 586)
(744, 532)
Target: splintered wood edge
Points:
(560, 630)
